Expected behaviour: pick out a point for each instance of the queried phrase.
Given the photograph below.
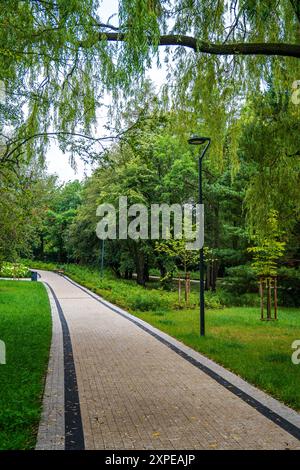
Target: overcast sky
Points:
(57, 162)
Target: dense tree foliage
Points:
(58, 57)
(60, 213)
(231, 69)
(24, 198)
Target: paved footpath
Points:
(115, 385)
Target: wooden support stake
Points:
(179, 289)
(275, 298)
(187, 287)
(261, 291)
(269, 313)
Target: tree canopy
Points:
(60, 57)
(232, 70)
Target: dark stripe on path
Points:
(263, 409)
(74, 438)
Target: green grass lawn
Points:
(25, 327)
(235, 337)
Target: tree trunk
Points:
(214, 275)
(179, 289)
(162, 269)
(215, 264)
(269, 313)
(140, 266)
(208, 276)
(42, 249)
(187, 288)
(275, 298)
(212, 268)
(146, 269)
(261, 293)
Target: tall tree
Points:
(60, 56)
(23, 201)
(61, 211)
(269, 146)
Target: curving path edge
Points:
(134, 387)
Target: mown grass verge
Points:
(25, 328)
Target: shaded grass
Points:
(260, 352)
(25, 327)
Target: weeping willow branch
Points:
(269, 49)
(112, 33)
(13, 146)
(296, 7)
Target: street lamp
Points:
(196, 140)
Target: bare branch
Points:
(270, 49)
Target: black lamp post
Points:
(196, 140)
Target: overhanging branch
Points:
(268, 49)
(13, 146)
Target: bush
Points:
(289, 287)
(240, 280)
(212, 300)
(148, 301)
(242, 300)
(167, 282)
(239, 287)
(12, 270)
(35, 264)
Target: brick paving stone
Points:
(136, 393)
(51, 433)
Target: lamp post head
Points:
(197, 140)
